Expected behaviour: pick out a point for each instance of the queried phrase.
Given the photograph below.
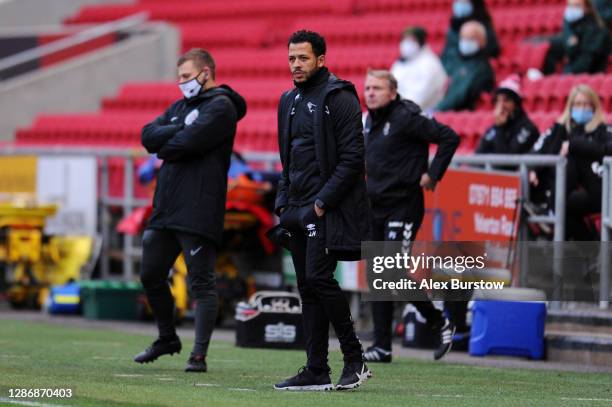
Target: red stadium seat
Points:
(248, 42)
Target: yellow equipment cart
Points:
(35, 261)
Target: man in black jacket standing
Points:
(398, 136)
(194, 138)
(322, 203)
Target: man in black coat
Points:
(323, 205)
(194, 138)
(398, 136)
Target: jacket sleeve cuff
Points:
(280, 203)
(327, 198)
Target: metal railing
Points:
(128, 202)
(606, 226)
(524, 162)
(269, 160)
(81, 37)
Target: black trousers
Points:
(578, 205)
(160, 250)
(399, 223)
(322, 299)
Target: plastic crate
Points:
(110, 299)
(508, 328)
(64, 299)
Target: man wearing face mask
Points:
(583, 45)
(513, 132)
(194, 138)
(463, 11)
(419, 73)
(474, 73)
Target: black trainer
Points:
(353, 375)
(158, 348)
(377, 354)
(306, 380)
(196, 363)
(446, 339)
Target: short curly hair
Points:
(315, 39)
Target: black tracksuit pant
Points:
(399, 223)
(160, 250)
(322, 299)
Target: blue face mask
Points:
(573, 13)
(462, 9)
(468, 47)
(582, 116)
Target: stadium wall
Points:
(36, 12)
(79, 84)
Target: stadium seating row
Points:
(511, 25)
(257, 131)
(363, 6)
(546, 95)
(193, 10)
(247, 39)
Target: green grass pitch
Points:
(97, 365)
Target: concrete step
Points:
(579, 336)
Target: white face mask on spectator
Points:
(573, 13)
(462, 9)
(409, 48)
(468, 47)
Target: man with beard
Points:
(323, 206)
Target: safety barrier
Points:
(606, 226)
(268, 161)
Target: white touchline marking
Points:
(96, 343)
(166, 379)
(443, 395)
(206, 385)
(28, 403)
(237, 389)
(583, 399)
(127, 375)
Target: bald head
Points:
(475, 31)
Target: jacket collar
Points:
(382, 112)
(321, 76)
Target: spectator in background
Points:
(584, 43)
(419, 73)
(473, 73)
(513, 132)
(604, 8)
(463, 11)
(581, 135)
